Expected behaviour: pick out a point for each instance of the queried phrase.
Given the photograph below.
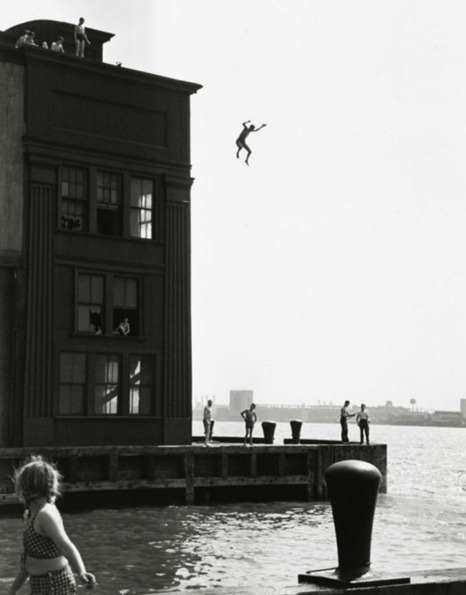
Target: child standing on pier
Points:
(250, 418)
(48, 551)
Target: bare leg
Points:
(249, 153)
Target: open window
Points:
(125, 306)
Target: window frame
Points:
(124, 207)
(108, 305)
(84, 201)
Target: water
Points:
(420, 524)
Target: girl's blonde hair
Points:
(37, 478)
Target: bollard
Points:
(268, 428)
(296, 425)
(352, 488)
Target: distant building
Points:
(447, 418)
(95, 178)
(240, 400)
(463, 407)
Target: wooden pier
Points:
(196, 473)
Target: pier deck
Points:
(196, 473)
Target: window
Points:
(72, 383)
(91, 304)
(142, 196)
(140, 385)
(74, 199)
(107, 384)
(125, 306)
(109, 216)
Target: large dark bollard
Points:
(296, 425)
(268, 428)
(352, 488)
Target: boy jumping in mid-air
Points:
(241, 140)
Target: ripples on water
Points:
(420, 524)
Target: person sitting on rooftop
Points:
(57, 46)
(22, 40)
(30, 38)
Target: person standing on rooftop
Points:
(80, 38)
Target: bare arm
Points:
(257, 129)
(243, 415)
(244, 124)
(18, 582)
(51, 524)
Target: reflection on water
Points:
(264, 546)
(419, 524)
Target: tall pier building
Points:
(95, 178)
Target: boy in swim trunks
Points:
(241, 140)
(250, 418)
(80, 38)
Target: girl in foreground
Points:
(48, 551)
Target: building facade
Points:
(95, 178)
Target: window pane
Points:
(141, 385)
(74, 199)
(124, 292)
(90, 303)
(107, 378)
(141, 207)
(118, 292)
(72, 383)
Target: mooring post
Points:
(268, 428)
(352, 489)
(296, 426)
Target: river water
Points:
(420, 524)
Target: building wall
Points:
(11, 230)
(98, 118)
(11, 158)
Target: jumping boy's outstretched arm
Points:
(257, 129)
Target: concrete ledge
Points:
(451, 581)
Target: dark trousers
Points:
(364, 429)
(344, 429)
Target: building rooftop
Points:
(46, 30)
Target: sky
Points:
(333, 266)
